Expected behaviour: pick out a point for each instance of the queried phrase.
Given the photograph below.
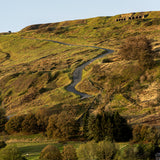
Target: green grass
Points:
(32, 150)
(37, 72)
(36, 66)
(31, 145)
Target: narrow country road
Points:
(77, 74)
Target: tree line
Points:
(105, 125)
(110, 126)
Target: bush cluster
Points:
(105, 125)
(138, 48)
(61, 125)
(28, 124)
(144, 133)
(14, 125)
(51, 152)
(99, 151)
(103, 150)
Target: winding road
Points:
(77, 74)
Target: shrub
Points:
(11, 153)
(87, 151)
(3, 119)
(106, 60)
(50, 152)
(14, 125)
(69, 153)
(143, 133)
(138, 48)
(106, 150)
(29, 125)
(2, 144)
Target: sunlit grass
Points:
(45, 68)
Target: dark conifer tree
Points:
(122, 131)
(85, 124)
(3, 119)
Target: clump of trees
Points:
(103, 150)
(108, 125)
(102, 126)
(105, 125)
(138, 48)
(51, 152)
(62, 125)
(28, 124)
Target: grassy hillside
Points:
(34, 73)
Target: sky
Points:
(17, 14)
